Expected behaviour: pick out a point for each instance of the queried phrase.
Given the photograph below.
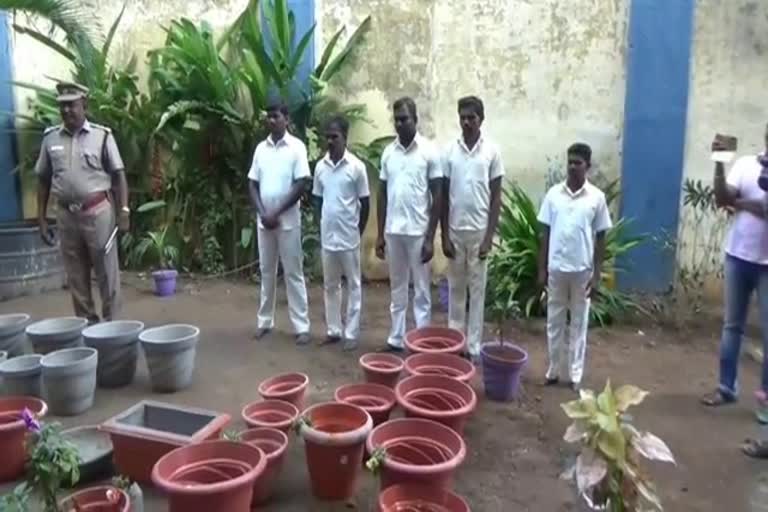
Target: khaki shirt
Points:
(81, 164)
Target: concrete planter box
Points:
(170, 352)
(69, 380)
(21, 376)
(118, 346)
(56, 333)
(145, 432)
(12, 333)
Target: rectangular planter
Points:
(148, 430)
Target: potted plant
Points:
(132, 489)
(608, 470)
(165, 255)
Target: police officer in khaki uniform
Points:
(80, 164)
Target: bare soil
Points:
(515, 450)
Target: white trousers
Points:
(285, 245)
(467, 270)
(335, 265)
(567, 292)
(404, 257)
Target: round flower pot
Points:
(118, 346)
(56, 333)
(13, 433)
(417, 451)
(97, 499)
(381, 369)
(399, 498)
(12, 333)
(22, 376)
(95, 449)
(334, 439)
(69, 380)
(503, 365)
(288, 387)
(275, 414)
(436, 397)
(165, 282)
(435, 340)
(447, 365)
(375, 399)
(213, 476)
(273, 443)
(170, 352)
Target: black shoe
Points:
(349, 345)
(261, 332)
(330, 340)
(551, 381)
(303, 339)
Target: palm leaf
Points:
(47, 41)
(336, 64)
(112, 31)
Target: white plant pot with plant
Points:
(608, 470)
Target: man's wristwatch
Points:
(125, 209)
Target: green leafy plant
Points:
(376, 460)
(158, 245)
(608, 471)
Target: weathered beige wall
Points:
(727, 95)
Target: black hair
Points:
(408, 103)
(277, 105)
(474, 103)
(582, 150)
(340, 122)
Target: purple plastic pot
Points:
(165, 282)
(503, 366)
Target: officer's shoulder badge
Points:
(50, 129)
(101, 127)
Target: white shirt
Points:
(470, 172)
(407, 172)
(341, 186)
(573, 219)
(748, 234)
(276, 166)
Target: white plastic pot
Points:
(22, 375)
(12, 333)
(69, 380)
(118, 346)
(56, 333)
(170, 352)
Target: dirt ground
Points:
(515, 450)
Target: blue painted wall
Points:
(304, 13)
(656, 105)
(10, 192)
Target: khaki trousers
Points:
(83, 236)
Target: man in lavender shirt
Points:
(746, 266)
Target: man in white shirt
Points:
(342, 198)
(575, 218)
(471, 205)
(278, 176)
(409, 202)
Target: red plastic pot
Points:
(375, 399)
(214, 476)
(275, 414)
(13, 433)
(97, 499)
(334, 439)
(381, 369)
(435, 340)
(405, 497)
(447, 365)
(288, 387)
(273, 443)
(438, 398)
(417, 451)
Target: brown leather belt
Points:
(89, 202)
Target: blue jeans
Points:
(742, 278)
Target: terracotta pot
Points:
(417, 451)
(448, 365)
(435, 340)
(400, 498)
(334, 440)
(97, 499)
(13, 433)
(288, 387)
(382, 369)
(438, 398)
(273, 443)
(270, 413)
(214, 476)
(375, 399)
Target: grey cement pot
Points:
(22, 375)
(3, 355)
(56, 334)
(170, 352)
(12, 333)
(118, 346)
(69, 380)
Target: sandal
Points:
(716, 399)
(755, 449)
